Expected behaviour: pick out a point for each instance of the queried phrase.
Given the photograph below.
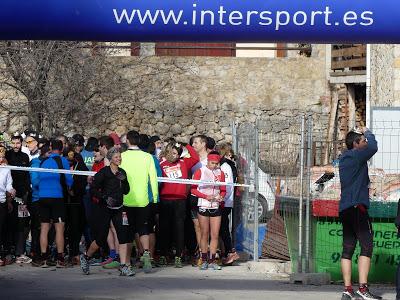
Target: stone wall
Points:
(214, 92)
(385, 75)
(210, 93)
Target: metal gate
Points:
(274, 156)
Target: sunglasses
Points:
(30, 142)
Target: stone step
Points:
(270, 266)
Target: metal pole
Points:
(234, 137)
(368, 89)
(309, 157)
(233, 220)
(300, 253)
(256, 159)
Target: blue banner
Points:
(317, 21)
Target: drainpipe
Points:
(368, 89)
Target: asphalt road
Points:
(236, 282)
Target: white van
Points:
(265, 198)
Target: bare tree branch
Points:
(73, 85)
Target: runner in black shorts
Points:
(53, 188)
(209, 214)
(108, 187)
(140, 219)
(52, 209)
(356, 226)
(206, 212)
(142, 176)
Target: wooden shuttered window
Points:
(196, 49)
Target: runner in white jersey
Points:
(210, 201)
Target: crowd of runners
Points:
(122, 217)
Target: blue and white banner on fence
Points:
(325, 21)
(245, 238)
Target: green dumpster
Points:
(326, 239)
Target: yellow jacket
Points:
(140, 170)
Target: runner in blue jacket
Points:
(52, 203)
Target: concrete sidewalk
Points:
(236, 282)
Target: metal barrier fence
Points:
(245, 145)
(294, 206)
(270, 155)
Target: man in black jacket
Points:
(75, 219)
(19, 218)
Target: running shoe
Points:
(112, 265)
(231, 258)
(204, 266)
(51, 262)
(146, 260)
(162, 261)
(126, 271)
(367, 295)
(218, 258)
(40, 262)
(132, 269)
(106, 261)
(9, 259)
(94, 262)
(62, 263)
(178, 262)
(197, 262)
(23, 259)
(84, 264)
(214, 265)
(235, 255)
(349, 295)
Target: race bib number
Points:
(206, 204)
(125, 221)
(173, 172)
(23, 211)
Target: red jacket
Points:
(179, 169)
(97, 166)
